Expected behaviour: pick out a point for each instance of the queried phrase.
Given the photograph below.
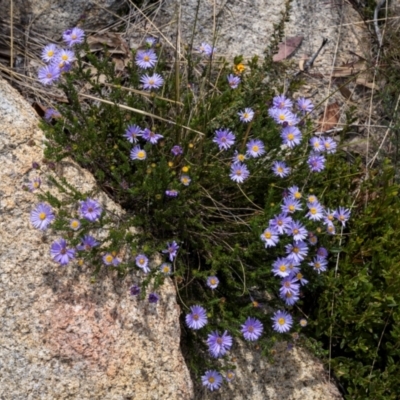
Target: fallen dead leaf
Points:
(330, 118)
(286, 48)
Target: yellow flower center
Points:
(317, 265)
(240, 157)
(42, 216)
(281, 321)
(312, 199)
(74, 224)
(290, 136)
(141, 260)
(299, 276)
(50, 53)
(282, 117)
(166, 269)
(267, 235)
(151, 82)
(196, 317)
(282, 268)
(255, 148)
(341, 217)
(238, 172)
(296, 250)
(213, 281)
(297, 195)
(146, 58)
(49, 75)
(245, 115)
(211, 379)
(64, 57)
(109, 258)
(295, 231)
(280, 170)
(73, 36)
(313, 211)
(141, 154)
(330, 217)
(292, 207)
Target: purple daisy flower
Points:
(171, 193)
(297, 230)
(315, 211)
(312, 239)
(49, 52)
(51, 113)
(65, 57)
(146, 59)
(294, 193)
(319, 264)
(330, 228)
(151, 41)
(142, 262)
(219, 344)
(342, 215)
(138, 154)
(134, 290)
(165, 268)
(153, 298)
(185, 180)
(111, 259)
(42, 216)
(206, 49)
(282, 321)
(255, 148)
(328, 216)
(88, 242)
(212, 380)
(230, 375)
(252, 329)
(289, 205)
(289, 284)
(239, 172)
(282, 102)
(270, 237)
(212, 282)
(74, 224)
(73, 36)
(290, 298)
(90, 209)
(317, 144)
(300, 277)
(132, 133)
(197, 318)
(224, 138)
(171, 250)
(322, 252)
(279, 168)
(297, 251)
(280, 267)
(151, 136)
(233, 81)
(34, 184)
(291, 136)
(48, 74)
(330, 145)
(154, 81)
(177, 150)
(247, 115)
(316, 162)
(282, 116)
(280, 223)
(305, 105)
(238, 157)
(60, 253)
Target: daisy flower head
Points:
(41, 216)
(282, 116)
(142, 262)
(49, 53)
(73, 36)
(294, 193)
(212, 380)
(282, 102)
(185, 180)
(270, 237)
(282, 321)
(197, 318)
(280, 222)
(154, 81)
(247, 115)
(90, 209)
(153, 298)
(300, 277)
(328, 216)
(230, 375)
(151, 41)
(177, 150)
(290, 298)
(289, 284)
(111, 259)
(151, 136)
(317, 144)
(51, 113)
(87, 243)
(255, 148)
(315, 211)
(171, 193)
(316, 162)
(279, 168)
(238, 157)
(280, 267)
(291, 136)
(34, 184)
(304, 105)
(218, 344)
(312, 239)
(319, 264)
(297, 230)
(342, 215)
(61, 253)
(138, 154)
(134, 290)
(330, 228)
(205, 49)
(233, 81)
(296, 252)
(312, 198)
(49, 74)
(303, 322)
(165, 268)
(65, 57)
(239, 172)
(252, 329)
(146, 58)
(132, 133)
(330, 145)
(289, 205)
(74, 224)
(322, 252)
(224, 138)
(212, 282)
(171, 250)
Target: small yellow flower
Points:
(239, 68)
(191, 145)
(185, 168)
(170, 164)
